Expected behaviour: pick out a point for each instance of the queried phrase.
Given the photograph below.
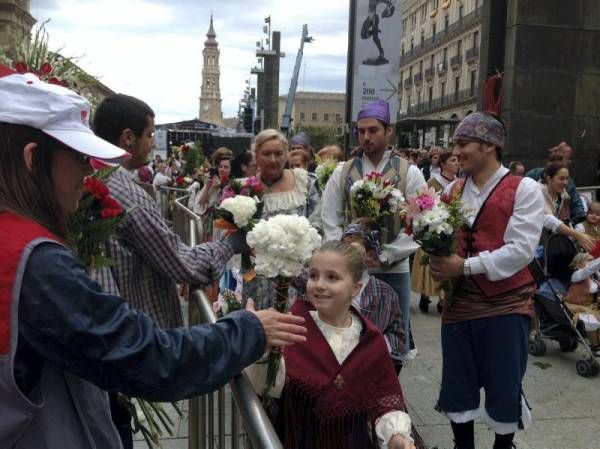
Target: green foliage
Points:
(322, 136)
(193, 158)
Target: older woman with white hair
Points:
(286, 191)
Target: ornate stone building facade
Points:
(210, 93)
(15, 21)
(439, 63)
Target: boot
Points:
(424, 303)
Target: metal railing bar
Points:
(258, 425)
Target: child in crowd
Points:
(582, 296)
(591, 225)
(377, 300)
(339, 389)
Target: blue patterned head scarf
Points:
(482, 127)
(371, 237)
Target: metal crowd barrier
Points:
(248, 425)
(165, 200)
(589, 192)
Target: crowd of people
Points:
(71, 338)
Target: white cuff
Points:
(391, 424)
(476, 265)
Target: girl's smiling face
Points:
(331, 286)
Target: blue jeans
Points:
(400, 282)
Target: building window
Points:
(456, 87)
(430, 98)
(443, 92)
(408, 105)
(339, 131)
(325, 117)
(338, 117)
(412, 43)
(446, 22)
(313, 116)
(422, 38)
(460, 11)
(418, 99)
(434, 30)
(445, 56)
(421, 67)
(302, 116)
(402, 52)
(473, 82)
(476, 4)
(432, 62)
(475, 39)
(459, 48)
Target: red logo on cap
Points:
(84, 115)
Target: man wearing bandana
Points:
(375, 155)
(485, 329)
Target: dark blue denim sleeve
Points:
(65, 318)
(577, 209)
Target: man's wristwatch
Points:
(466, 267)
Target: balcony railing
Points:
(429, 73)
(432, 106)
(472, 54)
(455, 62)
(466, 21)
(418, 79)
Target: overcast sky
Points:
(153, 49)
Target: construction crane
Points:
(286, 119)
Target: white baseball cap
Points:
(55, 110)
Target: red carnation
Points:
(224, 179)
(96, 187)
(110, 208)
(180, 180)
(21, 67)
(46, 68)
(595, 253)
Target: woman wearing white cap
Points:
(61, 337)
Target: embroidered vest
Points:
(62, 411)
(487, 234)
(395, 170)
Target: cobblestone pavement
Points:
(564, 404)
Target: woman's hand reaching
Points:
(281, 329)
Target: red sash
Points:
(16, 232)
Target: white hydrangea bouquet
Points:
(375, 197)
(434, 223)
(283, 245)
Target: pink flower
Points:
(227, 193)
(425, 202)
(254, 184)
(245, 191)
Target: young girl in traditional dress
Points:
(340, 388)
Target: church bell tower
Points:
(210, 92)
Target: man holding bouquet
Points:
(485, 328)
(375, 155)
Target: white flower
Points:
(357, 186)
(283, 245)
(241, 207)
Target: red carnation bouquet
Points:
(95, 221)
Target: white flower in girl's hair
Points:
(283, 245)
(241, 207)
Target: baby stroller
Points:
(553, 320)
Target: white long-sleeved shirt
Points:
(586, 273)
(332, 213)
(522, 233)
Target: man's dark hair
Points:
(119, 112)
